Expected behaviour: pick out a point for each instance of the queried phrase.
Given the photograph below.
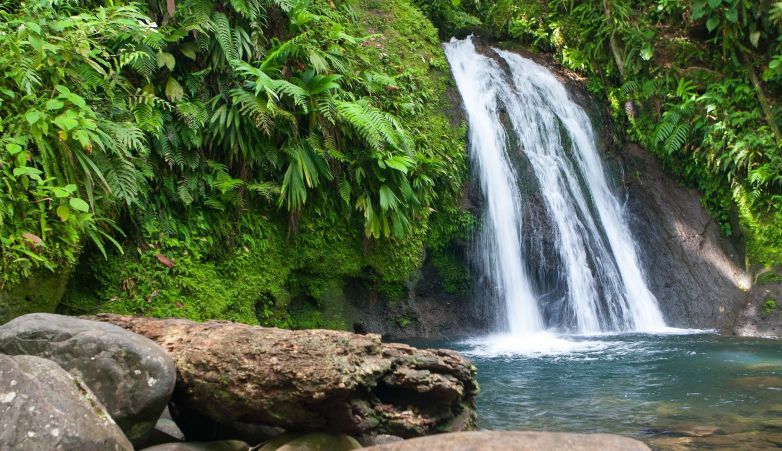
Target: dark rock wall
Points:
(696, 274)
(427, 310)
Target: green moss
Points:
(453, 272)
(40, 292)
(769, 307)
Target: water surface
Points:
(691, 391)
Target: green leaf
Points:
(400, 163)
(82, 137)
(67, 121)
(166, 59)
(647, 52)
(698, 9)
(33, 116)
(54, 104)
(60, 192)
(732, 15)
(714, 3)
(712, 23)
(387, 198)
(754, 38)
(78, 204)
(77, 100)
(34, 27)
(174, 90)
(13, 148)
(189, 50)
(63, 212)
(28, 171)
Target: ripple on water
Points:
(673, 390)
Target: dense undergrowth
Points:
(221, 158)
(698, 82)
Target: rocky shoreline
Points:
(109, 382)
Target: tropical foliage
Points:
(192, 132)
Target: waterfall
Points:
(517, 109)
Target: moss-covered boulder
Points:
(40, 292)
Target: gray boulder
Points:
(130, 374)
(42, 407)
(515, 441)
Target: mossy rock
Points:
(312, 442)
(40, 292)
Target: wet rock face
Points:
(516, 440)
(695, 274)
(761, 315)
(311, 380)
(130, 374)
(42, 407)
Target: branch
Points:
(764, 105)
(616, 48)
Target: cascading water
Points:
(524, 107)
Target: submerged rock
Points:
(165, 431)
(312, 380)
(380, 439)
(42, 407)
(130, 374)
(222, 445)
(311, 442)
(516, 440)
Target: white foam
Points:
(551, 344)
(533, 345)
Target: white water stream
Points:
(518, 109)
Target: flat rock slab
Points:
(312, 380)
(42, 407)
(515, 441)
(130, 374)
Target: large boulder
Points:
(130, 374)
(516, 441)
(312, 380)
(42, 407)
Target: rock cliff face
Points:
(696, 274)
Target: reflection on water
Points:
(672, 391)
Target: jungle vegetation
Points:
(177, 146)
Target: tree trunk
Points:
(763, 100)
(616, 46)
